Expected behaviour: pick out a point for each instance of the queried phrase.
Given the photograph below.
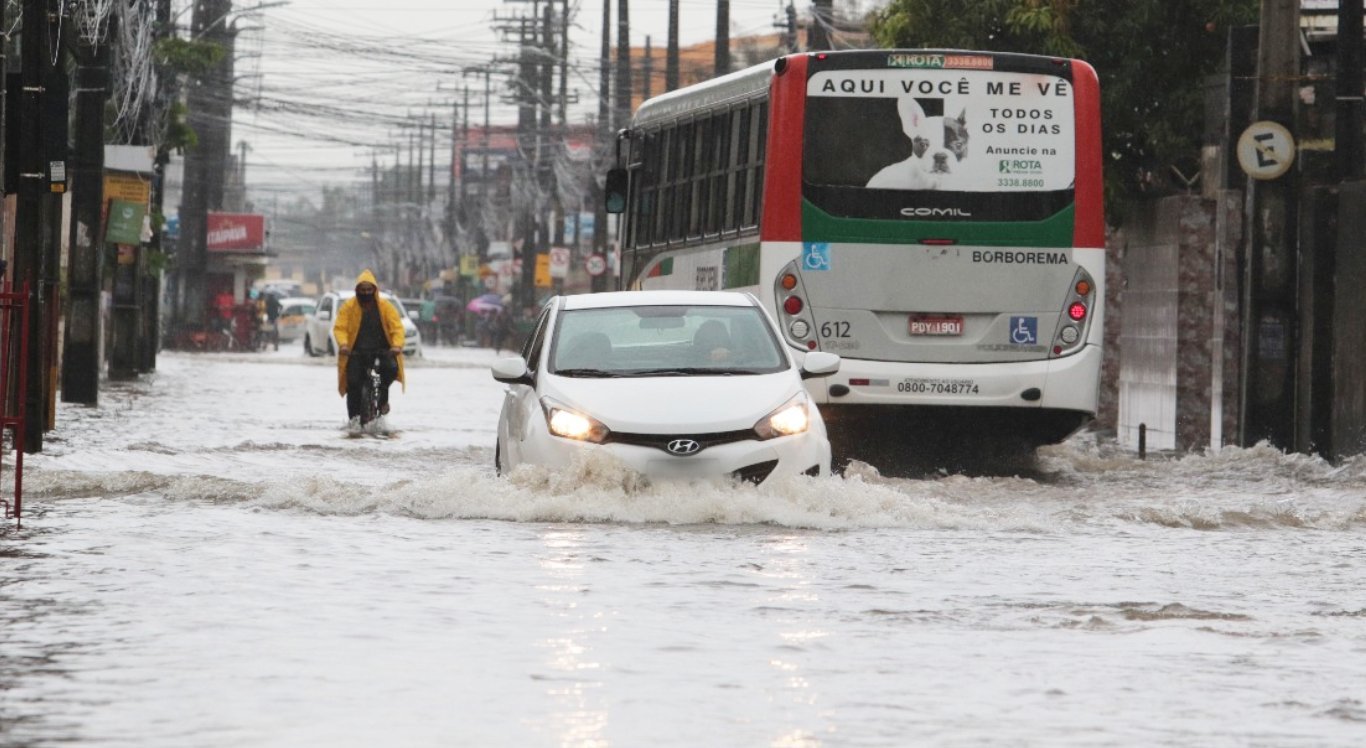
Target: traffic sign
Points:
(1266, 150)
(559, 262)
(596, 264)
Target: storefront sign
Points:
(236, 232)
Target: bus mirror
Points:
(614, 193)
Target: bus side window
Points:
(697, 189)
(664, 198)
(682, 183)
(650, 200)
(739, 158)
(759, 147)
(721, 135)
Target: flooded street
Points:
(206, 560)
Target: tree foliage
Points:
(1151, 56)
(193, 58)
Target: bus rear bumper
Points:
(1068, 383)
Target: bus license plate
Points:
(940, 324)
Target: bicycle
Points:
(371, 394)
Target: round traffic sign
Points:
(1266, 150)
(596, 264)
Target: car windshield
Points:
(665, 341)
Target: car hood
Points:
(675, 405)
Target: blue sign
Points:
(1024, 330)
(172, 228)
(816, 256)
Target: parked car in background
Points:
(293, 319)
(320, 337)
(282, 288)
(675, 384)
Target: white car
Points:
(321, 338)
(293, 319)
(675, 384)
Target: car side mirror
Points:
(820, 364)
(511, 370)
(614, 192)
(324, 316)
(414, 315)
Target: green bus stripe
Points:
(1054, 231)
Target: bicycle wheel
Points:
(374, 407)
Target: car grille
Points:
(661, 441)
(755, 473)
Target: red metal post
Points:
(10, 302)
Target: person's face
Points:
(365, 292)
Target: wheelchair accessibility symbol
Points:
(1024, 330)
(816, 256)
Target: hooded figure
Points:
(367, 323)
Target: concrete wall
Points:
(1348, 419)
(1172, 342)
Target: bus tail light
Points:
(1075, 319)
(797, 324)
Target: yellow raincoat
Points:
(348, 326)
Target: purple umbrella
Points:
(489, 302)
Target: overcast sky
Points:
(333, 79)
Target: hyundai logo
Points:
(683, 447)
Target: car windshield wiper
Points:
(587, 373)
(690, 371)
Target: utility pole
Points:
(647, 70)
(722, 62)
(564, 67)
(450, 184)
(35, 181)
(1349, 90)
(1270, 349)
(80, 357)
(789, 27)
(4, 140)
(209, 102)
(818, 35)
(167, 91)
(480, 230)
(624, 101)
(671, 55)
(599, 282)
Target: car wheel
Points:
(308, 346)
(330, 350)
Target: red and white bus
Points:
(934, 217)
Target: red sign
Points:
(237, 232)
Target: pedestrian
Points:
(500, 327)
(482, 333)
(273, 317)
(369, 332)
(224, 304)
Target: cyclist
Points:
(369, 330)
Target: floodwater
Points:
(207, 561)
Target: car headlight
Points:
(792, 417)
(571, 424)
